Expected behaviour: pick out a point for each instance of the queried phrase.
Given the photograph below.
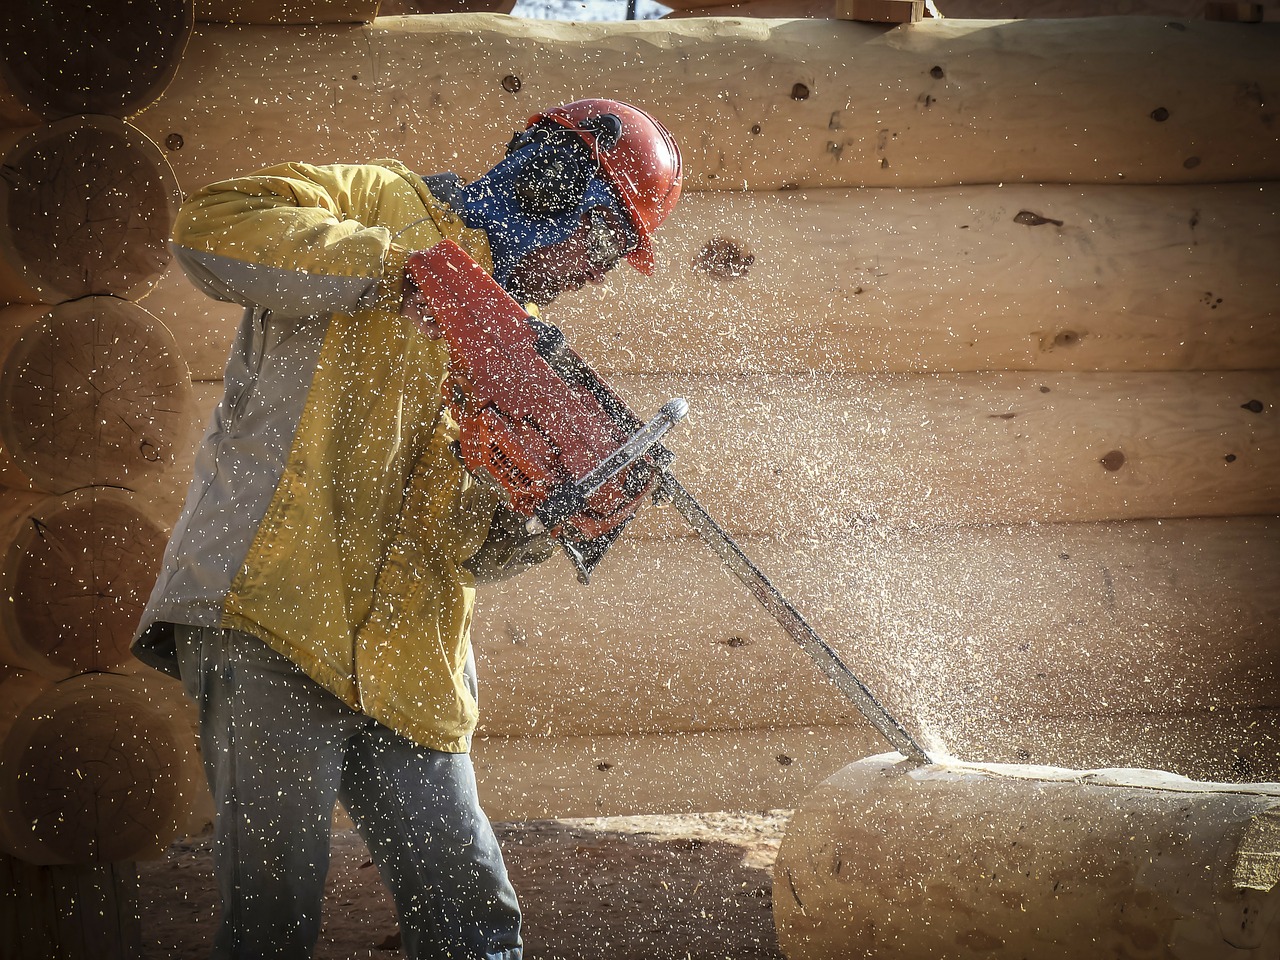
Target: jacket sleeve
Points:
(294, 238)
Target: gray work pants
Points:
(278, 751)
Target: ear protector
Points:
(554, 179)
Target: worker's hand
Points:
(509, 550)
(414, 306)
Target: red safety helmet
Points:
(642, 162)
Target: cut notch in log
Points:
(114, 57)
(86, 207)
(94, 392)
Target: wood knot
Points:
(1029, 219)
(511, 83)
(723, 259)
(1113, 460)
(800, 91)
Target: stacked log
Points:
(95, 764)
(985, 380)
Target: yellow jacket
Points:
(327, 515)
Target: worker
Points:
(315, 597)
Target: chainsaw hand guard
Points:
(532, 415)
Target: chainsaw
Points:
(568, 452)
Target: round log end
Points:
(94, 771)
(77, 574)
(112, 57)
(890, 859)
(86, 207)
(95, 393)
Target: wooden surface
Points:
(95, 391)
(979, 278)
(82, 912)
(890, 861)
(86, 208)
(77, 573)
(59, 59)
(755, 104)
(94, 771)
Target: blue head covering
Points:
(493, 204)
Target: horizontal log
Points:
(60, 59)
(756, 104)
(1012, 862)
(981, 278)
(781, 454)
(78, 912)
(78, 572)
(790, 455)
(535, 778)
(953, 629)
(86, 208)
(541, 777)
(94, 392)
(94, 771)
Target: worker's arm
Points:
(293, 238)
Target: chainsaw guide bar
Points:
(534, 418)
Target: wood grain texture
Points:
(876, 280)
(86, 208)
(1011, 862)
(755, 104)
(956, 631)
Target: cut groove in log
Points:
(430, 90)
(113, 57)
(94, 392)
(94, 772)
(1013, 862)
(86, 207)
(76, 574)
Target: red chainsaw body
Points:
(522, 421)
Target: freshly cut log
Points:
(892, 860)
(755, 104)
(77, 573)
(94, 772)
(287, 11)
(113, 57)
(86, 208)
(94, 392)
(784, 454)
(978, 278)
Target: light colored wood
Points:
(881, 11)
(77, 572)
(540, 777)
(86, 208)
(834, 103)
(953, 629)
(94, 391)
(62, 60)
(94, 771)
(534, 778)
(979, 278)
(886, 860)
(795, 454)
(790, 454)
(1134, 278)
(286, 11)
